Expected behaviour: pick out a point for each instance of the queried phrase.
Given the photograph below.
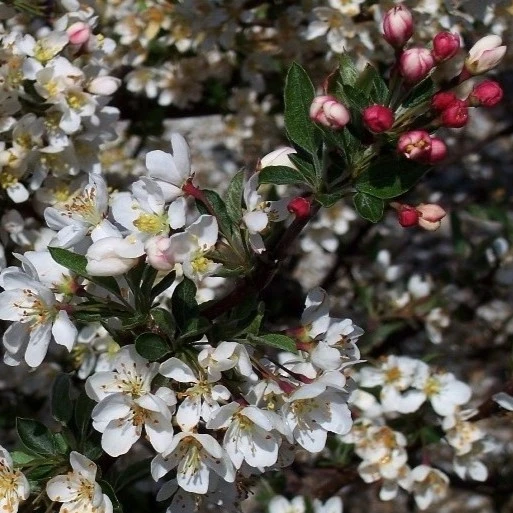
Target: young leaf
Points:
(420, 93)
(299, 93)
(83, 408)
(219, 210)
(329, 199)
(107, 489)
(164, 320)
(36, 437)
(276, 340)
(388, 178)
(369, 207)
(163, 284)
(347, 70)
(133, 473)
(282, 175)
(372, 85)
(62, 406)
(184, 305)
(233, 197)
(151, 346)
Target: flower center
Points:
(151, 223)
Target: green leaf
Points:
(83, 408)
(347, 71)
(36, 437)
(369, 207)
(304, 167)
(276, 340)
(282, 175)
(151, 346)
(390, 177)
(133, 473)
(163, 284)
(165, 321)
(77, 264)
(219, 210)
(234, 197)
(108, 490)
(184, 305)
(329, 199)
(22, 458)
(299, 93)
(372, 85)
(87, 316)
(62, 406)
(420, 93)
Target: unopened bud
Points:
(455, 115)
(398, 26)
(442, 100)
(431, 216)
(156, 250)
(104, 86)
(328, 111)
(300, 207)
(415, 145)
(407, 216)
(485, 55)
(445, 46)
(415, 64)
(488, 93)
(78, 33)
(378, 118)
(438, 151)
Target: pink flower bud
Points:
(79, 33)
(378, 118)
(397, 26)
(415, 64)
(442, 100)
(438, 151)
(407, 215)
(415, 145)
(431, 216)
(488, 93)
(300, 207)
(104, 86)
(445, 46)
(328, 111)
(156, 255)
(485, 55)
(455, 115)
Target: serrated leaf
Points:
(390, 177)
(304, 167)
(233, 197)
(77, 264)
(369, 207)
(36, 437)
(281, 175)
(421, 93)
(62, 406)
(184, 305)
(151, 346)
(372, 85)
(274, 340)
(163, 284)
(218, 209)
(347, 70)
(299, 93)
(329, 199)
(165, 321)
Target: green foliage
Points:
(233, 197)
(62, 406)
(284, 175)
(299, 93)
(275, 340)
(37, 438)
(151, 346)
(369, 207)
(216, 207)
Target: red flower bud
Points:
(445, 46)
(442, 100)
(488, 93)
(415, 64)
(398, 26)
(300, 207)
(378, 118)
(407, 216)
(415, 145)
(438, 151)
(328, 111)
(455, 115)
